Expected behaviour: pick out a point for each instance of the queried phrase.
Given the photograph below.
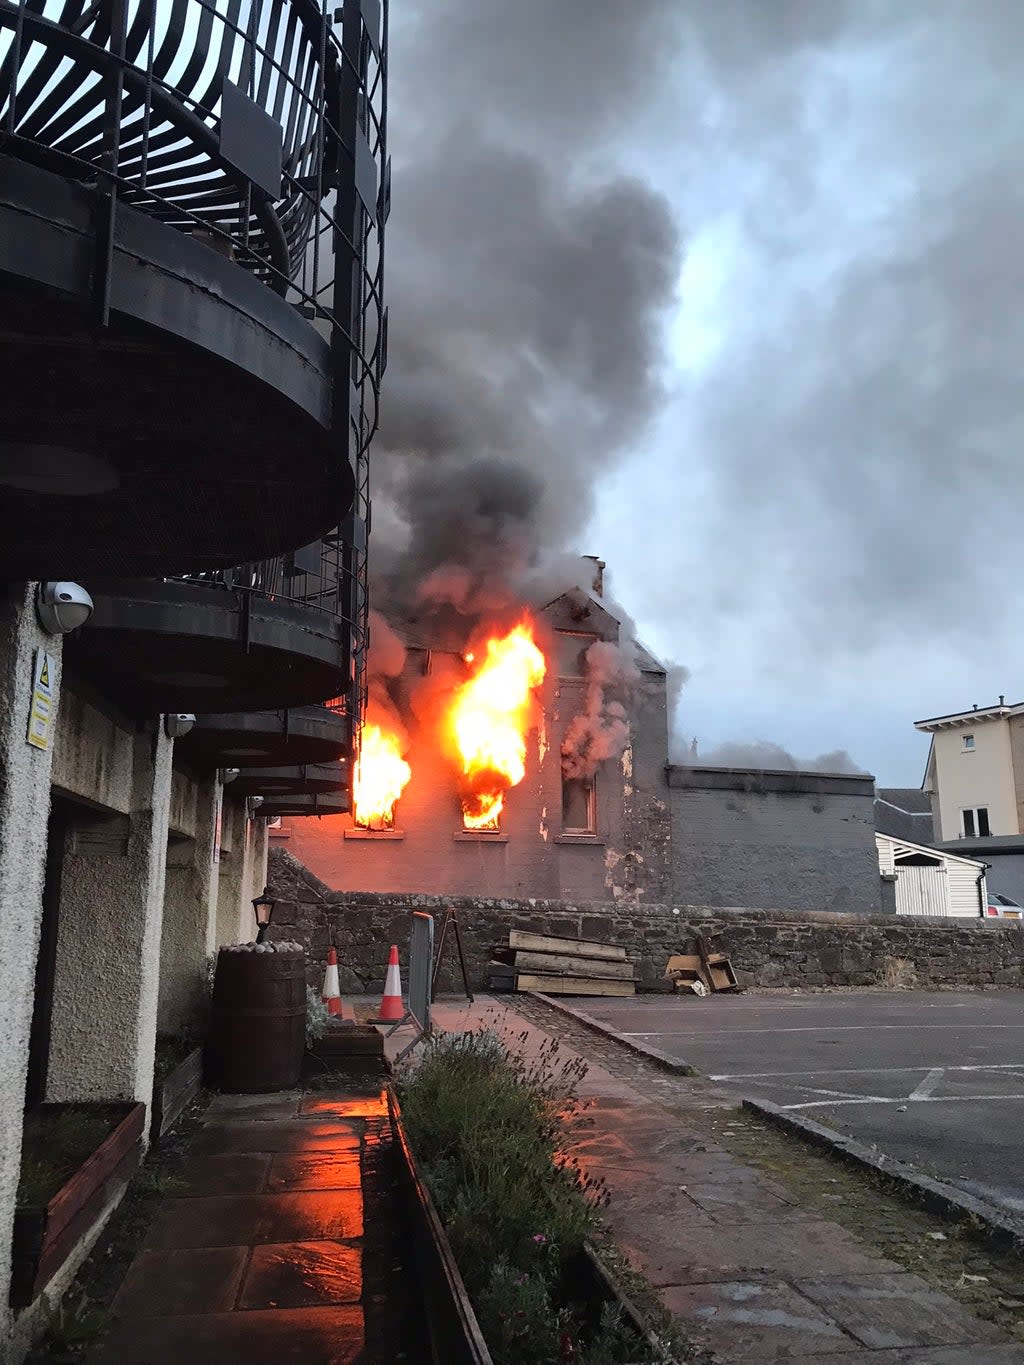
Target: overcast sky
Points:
(812, 497)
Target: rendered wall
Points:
(24, 809)
(793, 841)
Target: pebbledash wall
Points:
(768, 947)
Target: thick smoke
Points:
(529, 278)
(763, 754)
(600, 729)
(850, 331)
(385, 661)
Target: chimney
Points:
(597, 582)
(1002, 699)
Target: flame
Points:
(489, 718)
(379, 778)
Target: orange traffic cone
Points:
(391, 1006)
(332, 988)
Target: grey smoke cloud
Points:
(530, 273)
(764, 754)
(600, 729)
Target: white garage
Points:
(931, 882)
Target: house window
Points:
(578, 805)
(572, 653)
(967, 744)
(975, 822)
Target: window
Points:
(578, 805)
(967, 744)
(975, 819)
(572, 652)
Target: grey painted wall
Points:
(791, 841)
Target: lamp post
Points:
(263, 909)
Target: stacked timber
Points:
(560, 966)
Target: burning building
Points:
(529, 762)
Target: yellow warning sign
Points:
(40, 716)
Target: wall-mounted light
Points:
(263, 909)
(177, 724)
(228, 775)
(62, 607)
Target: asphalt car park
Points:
(935, 1079)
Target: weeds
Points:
(70, 1327)
(55, 1142)
(898, 974)
(490, 1127)
(317, 1016)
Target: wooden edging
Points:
(45, 1237)
(174, 1091)
(453, 1324)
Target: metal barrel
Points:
(258, 1028)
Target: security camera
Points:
(62, 607)
(178, 724)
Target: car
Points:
(1002, 907)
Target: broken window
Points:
(578, 805)
(975, 820)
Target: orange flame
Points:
(489, 719)
(380, 776)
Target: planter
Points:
(171, 1093)
(455, 1335)
(45, 1237)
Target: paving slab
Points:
(755, 1320)
(298, 1336)
(895, 1310)
(302, 1275)
(275, 1135)
(231, 1173)
(747, 1272)
(286, 1245)
(240, 1220)
(159, 1283)
(313, 1171)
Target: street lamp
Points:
(263, 909)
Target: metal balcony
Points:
(192, 332)
(277, 633)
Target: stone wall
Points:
(768, 947)
(805, 841)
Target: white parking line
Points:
(901, 1099)
(862, 1071)
(928, 1084)
(812, 1028)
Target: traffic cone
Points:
(391, 1006)
(332, 988)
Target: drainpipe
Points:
(982, 907)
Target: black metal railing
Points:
(258, 127)
(329, 576)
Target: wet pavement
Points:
(286, 1242)
(748, 1273)
(933, 1078)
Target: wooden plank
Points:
(573, 985)
(562, 963)
(93, 1171)
(553, 943)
